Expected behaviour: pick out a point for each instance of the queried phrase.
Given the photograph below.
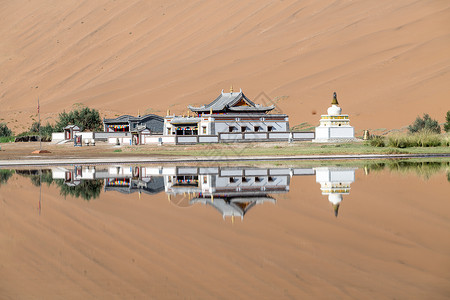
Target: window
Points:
(204, 129)
(232, 180)
(243, 128)
(257, 128)
(269, 128)
(258, 179)
(231, 129)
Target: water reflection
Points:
(423, 169)
(232, 191)
(335, 182)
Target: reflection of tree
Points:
(87, 189)
(46, 178)
(424, 169)
(5, 175)
(35, 176)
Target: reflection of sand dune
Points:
(391, 243)
(383, 56)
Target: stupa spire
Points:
(335, 101)
(231, 89)
(336, 209)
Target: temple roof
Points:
(233, 206)
(128, 118)
(234, 101)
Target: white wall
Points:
(57, 136)
(342, 132)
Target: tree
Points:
(447, 123)
(425, 123)
(85, 118)
(4, 130)
(46, 131)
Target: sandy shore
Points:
(20, 154)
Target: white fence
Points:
(124, 138)
(265, 136)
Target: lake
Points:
(369, 230)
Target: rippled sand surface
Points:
(381, 57)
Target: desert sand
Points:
(390, 241)
(387, 60)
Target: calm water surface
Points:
(379, 230)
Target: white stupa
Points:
(334, 126)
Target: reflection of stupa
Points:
(335, 182)
(334, 126)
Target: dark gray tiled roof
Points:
(127, 118)
(225, 101)
(153, 122)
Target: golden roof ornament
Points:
(335, 101)
(231, 89)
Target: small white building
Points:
(334, 126)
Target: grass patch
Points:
(118, 150)
(7, 139)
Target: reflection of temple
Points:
(335, 182)
(121, 179)
(74, 176)
(232, 191)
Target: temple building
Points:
(335, 182)
(134, 129)
(230, 116)
(127, 123)
(334, 126)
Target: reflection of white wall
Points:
(335, 182)
(327, 174)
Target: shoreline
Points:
(39, 161)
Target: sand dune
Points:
(388, 61)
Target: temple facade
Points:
(230, 116)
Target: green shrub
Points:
(4, 130)
(6, 139)
(399, 141)
(377, 141)
(425, 123)
(447, 123)
(424, 138)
